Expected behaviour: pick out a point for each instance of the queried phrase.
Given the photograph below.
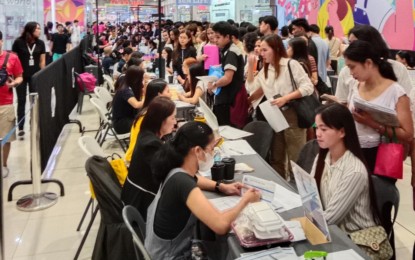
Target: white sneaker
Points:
(5, 171)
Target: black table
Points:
(340, 240)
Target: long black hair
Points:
(169, 56)
(360, 51)
(29, 30)
(172, 154)
(371, 34)
(300, 53)
(134, 79)
(158, 111)
(336, 116)
(195, 70)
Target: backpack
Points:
(3, 71)
(88, 81)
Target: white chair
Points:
(106, 129)
(90, 146)
(110, 82)
(104, 95)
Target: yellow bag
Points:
(120, 169)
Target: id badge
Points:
(31, 62)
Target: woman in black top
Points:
(31, 52)
(140, 188)
(184, 49)
(125, 103)
(171, 217)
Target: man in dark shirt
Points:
(31, 52)
(59, 43)
(233, 65)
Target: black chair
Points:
(261, 139)
(137, 226)
(114, 238)
(82, 91)
(307, 155)
(387, 198)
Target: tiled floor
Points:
(51, 233)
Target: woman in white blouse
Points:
(344, 183)
(376, 84)
(274, 82)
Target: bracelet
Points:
(217, 187)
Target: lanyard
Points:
(31, 50)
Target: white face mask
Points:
(205, 166)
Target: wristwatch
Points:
(217, 186)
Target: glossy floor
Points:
(51, 234)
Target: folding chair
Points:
(104, 95)
(110, 82)
(307, 155)
(114, 238)
(82, 91)
(106, 129)
(137, 226)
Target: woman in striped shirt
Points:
(340, 171)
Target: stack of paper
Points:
(342, 255)
(380, 114)
(237, 147)
(278, 253)
(231, 133)
(224, 203)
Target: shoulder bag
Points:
(390, 156)
(374, 242)
(305, 107)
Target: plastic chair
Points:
(114, 238)
(261, 139)
(307, 155)
(134, 222)
(387, 198)
(104, 95)
(106, 128)
(110, 82)
(82, 92)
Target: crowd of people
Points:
(260, 63)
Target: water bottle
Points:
(157, 73)
(175, 77)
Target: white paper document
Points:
(296, 229)
(224, 203)
(180, 104)
(286, 198)
(265, 187)
(278, 253)
(274, 116)
(237, 147)
(232, 133)
(349, 254)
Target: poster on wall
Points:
(117, 13)
(246, 15)
(66, 10)
(222, 10)
(393, 19)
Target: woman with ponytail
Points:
(180, 201)
(342, 177)
(376, 84)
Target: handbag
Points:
(119, 167)
(305, 107)
(322, 87)
(389, 159)
(374, 242)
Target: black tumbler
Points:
(170, 78)
(218, 171)
(229, 168)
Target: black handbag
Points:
(305, 107)
(322, 87)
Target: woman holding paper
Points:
(172, 216)
(274, 82)
(376, 84)
(340, 171)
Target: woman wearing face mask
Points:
(140, 188)
(274, 82)
(180, 201)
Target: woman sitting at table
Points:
(157, 87)
(197, 88)
(180, 201)
(127, 99)
(185, 68)
(340, 170)
(141, 186)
